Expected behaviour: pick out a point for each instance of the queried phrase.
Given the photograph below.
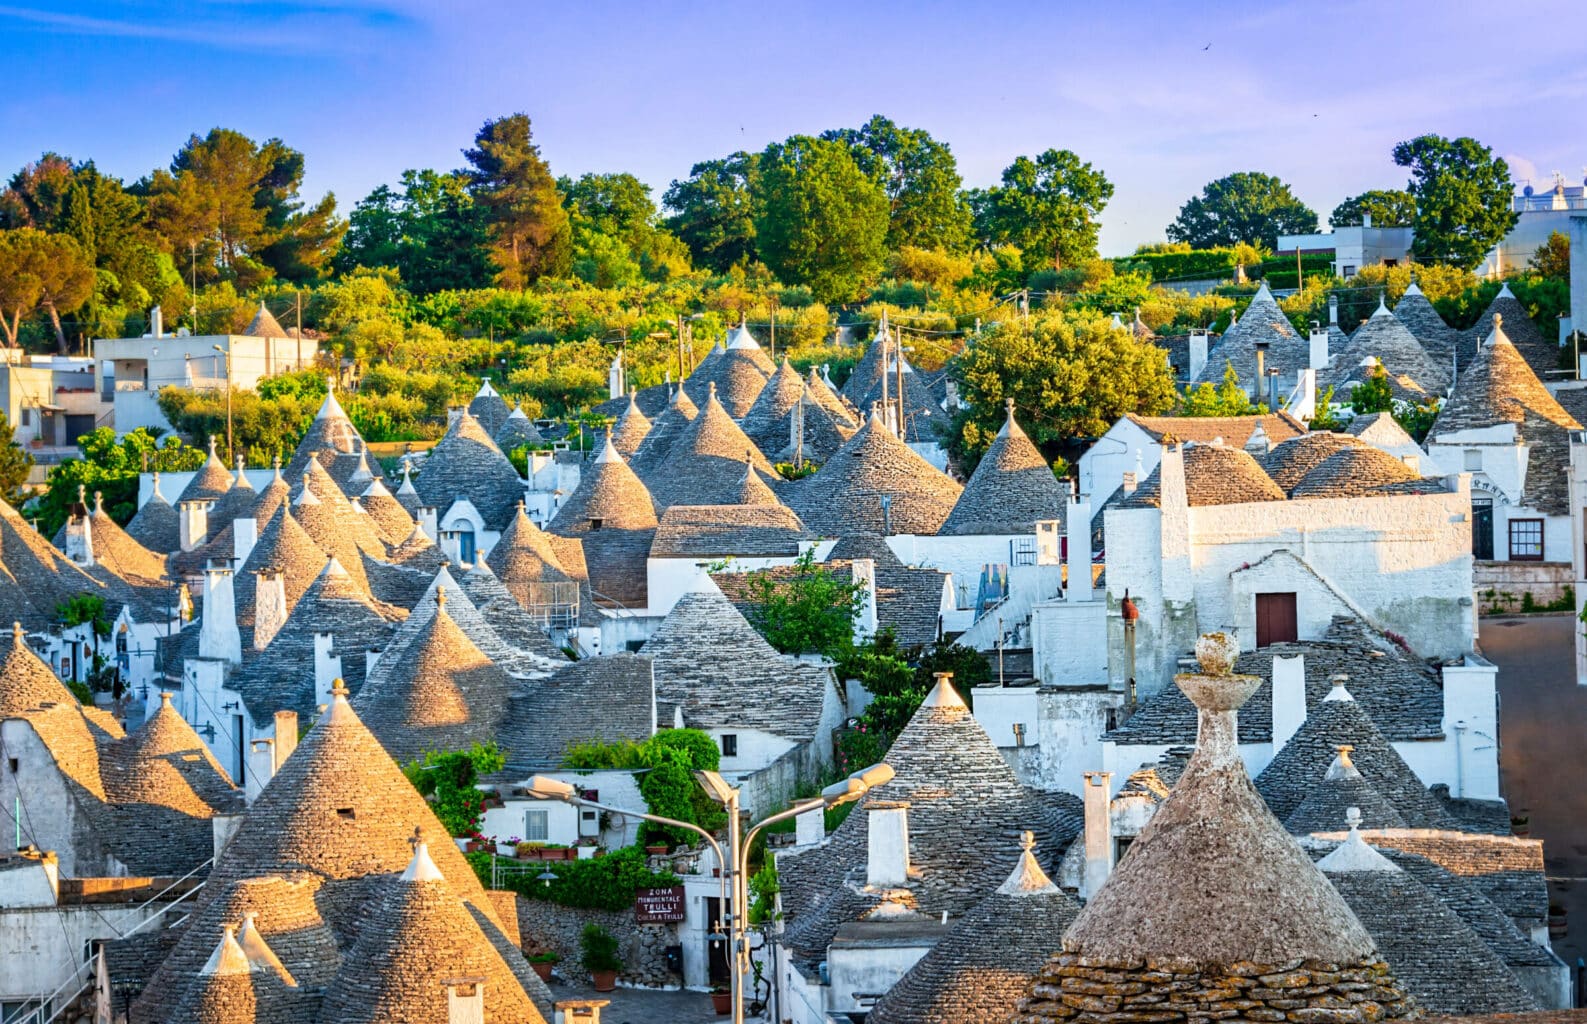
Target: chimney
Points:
(1127, 482)
(887, 848)
(157, 322)
(1289, 699)
(1078, 528)
(1258, 444)
(865, 624)
(327, 667)
(796, 431)
(286, 736)
(80, 535)
(261, 768)
(269, 606)
(1198, 353)
(887, 515)
(1319, 349)
(244, 535)
(427, 522)
(1333, 310)
(1305, 405)
(1174, 524)
(194, 523)
(465, 1001)
(810, 827)
(217, 632)
(1099, 832)
(1261, 373)
(221, 828)
(1366, 220)
(371, 656)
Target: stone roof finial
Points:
(1337, 689)
(99, 503)
(1352, 815)
(1344, 750)
(339, 688)
(440, 599)
(212, 442)
(82, 494)
(16, 631)
(165, 698)
(1027, 841)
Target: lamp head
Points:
(543, 787)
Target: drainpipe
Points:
(1460, 782)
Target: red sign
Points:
(658, 906)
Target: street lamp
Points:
(736, 864)
(230, 453)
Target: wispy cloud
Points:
(229, 25)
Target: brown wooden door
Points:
(1275, 619)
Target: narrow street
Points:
(1543, 724)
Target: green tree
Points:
(430, 232)
(1389, 208)
(616, 237)
(927, 208)
(1247, 206)
(821, 221)
(89, 610)
(447, 779)
(1463, 194)
(1552, 258)
(237, 202)
(713, 211)
(1373, 394)
(527, 225)
(809, 610)
(1048, 207)
(1227, 399)
(40, 271)
(1071, 376)
(15, 462)
(111, 466)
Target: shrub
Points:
(604, 883)
(600, 949)
(447, 780)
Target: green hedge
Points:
(605, 883)
(1179, 266)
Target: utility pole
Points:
(192, 284)
(1300, 282)
(898, 392)
(230, 452)
(774, 329)
(300, 329)
(680, 349)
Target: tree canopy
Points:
(1247, 206)
(1048, 207)
(822, 221)
(1463, 194)
(1389, 208)
(713, 210)
(926, 207)
(528, 227)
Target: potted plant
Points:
(656, 849)
(543, 963)
(529, 850)
(509, 848)
(586, 849)
(600, 957)
(721, 1000)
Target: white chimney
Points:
(244, 535)
(194, 519)
(1366, 220)
(222, 828)
(1099, 832)
(1304, 407)
(327, 667)
(157, 322)
(1333, 310)
(261, 768)
(1198, 353)
(80, 540)
(428, 522)
(217, 632)
(370, 657)
(887, 848)
(810, 827)
(1175, 525)
(269, 607)
(614, 377)
(465, 1002)
(1319, 349)
(1258, 444)
(1289, 699)
(286, 736)
(865, 624)
(1078, 528)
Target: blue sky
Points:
(1163, 97)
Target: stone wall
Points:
(1086, 990)
(642, 947)
(1502, 586)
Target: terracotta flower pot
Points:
(655, 850)
(604, 981)
(542, 968)
(722, 1003)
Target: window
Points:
(1473, 460)
(729, 744)
(1275, 619)
(1391, 263)
(1526, 540)
(1348, 270)
(346, 813)
(27, 417)
(536, 826)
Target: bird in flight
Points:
(1207, 47)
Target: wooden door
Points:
(1275, 619)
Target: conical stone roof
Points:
(120, 553)
(979, 970)
(830, 400)
(516, 431)
(630, 429)
(1540, 354)
(467, 464)
(489, 408)
(752, 490)
(390, 518)
(766, 422)
(846, 492)
(1342, 788)
(1289, 462)
(702, 466)
(1303, 762)
(824, 433)
(525, 556)
(210, 482)
(609, 491)
(156, 525)
(165, 764)
(282, 547)
(1441, 341)
(415, 939)
(265, 325)
(664, 430)
(1261, 323)
(330, 435)
(443, 694)
(738, 375)
(1385, 338)
(508, 618)
(1011, 489)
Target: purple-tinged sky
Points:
(1315, 92)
